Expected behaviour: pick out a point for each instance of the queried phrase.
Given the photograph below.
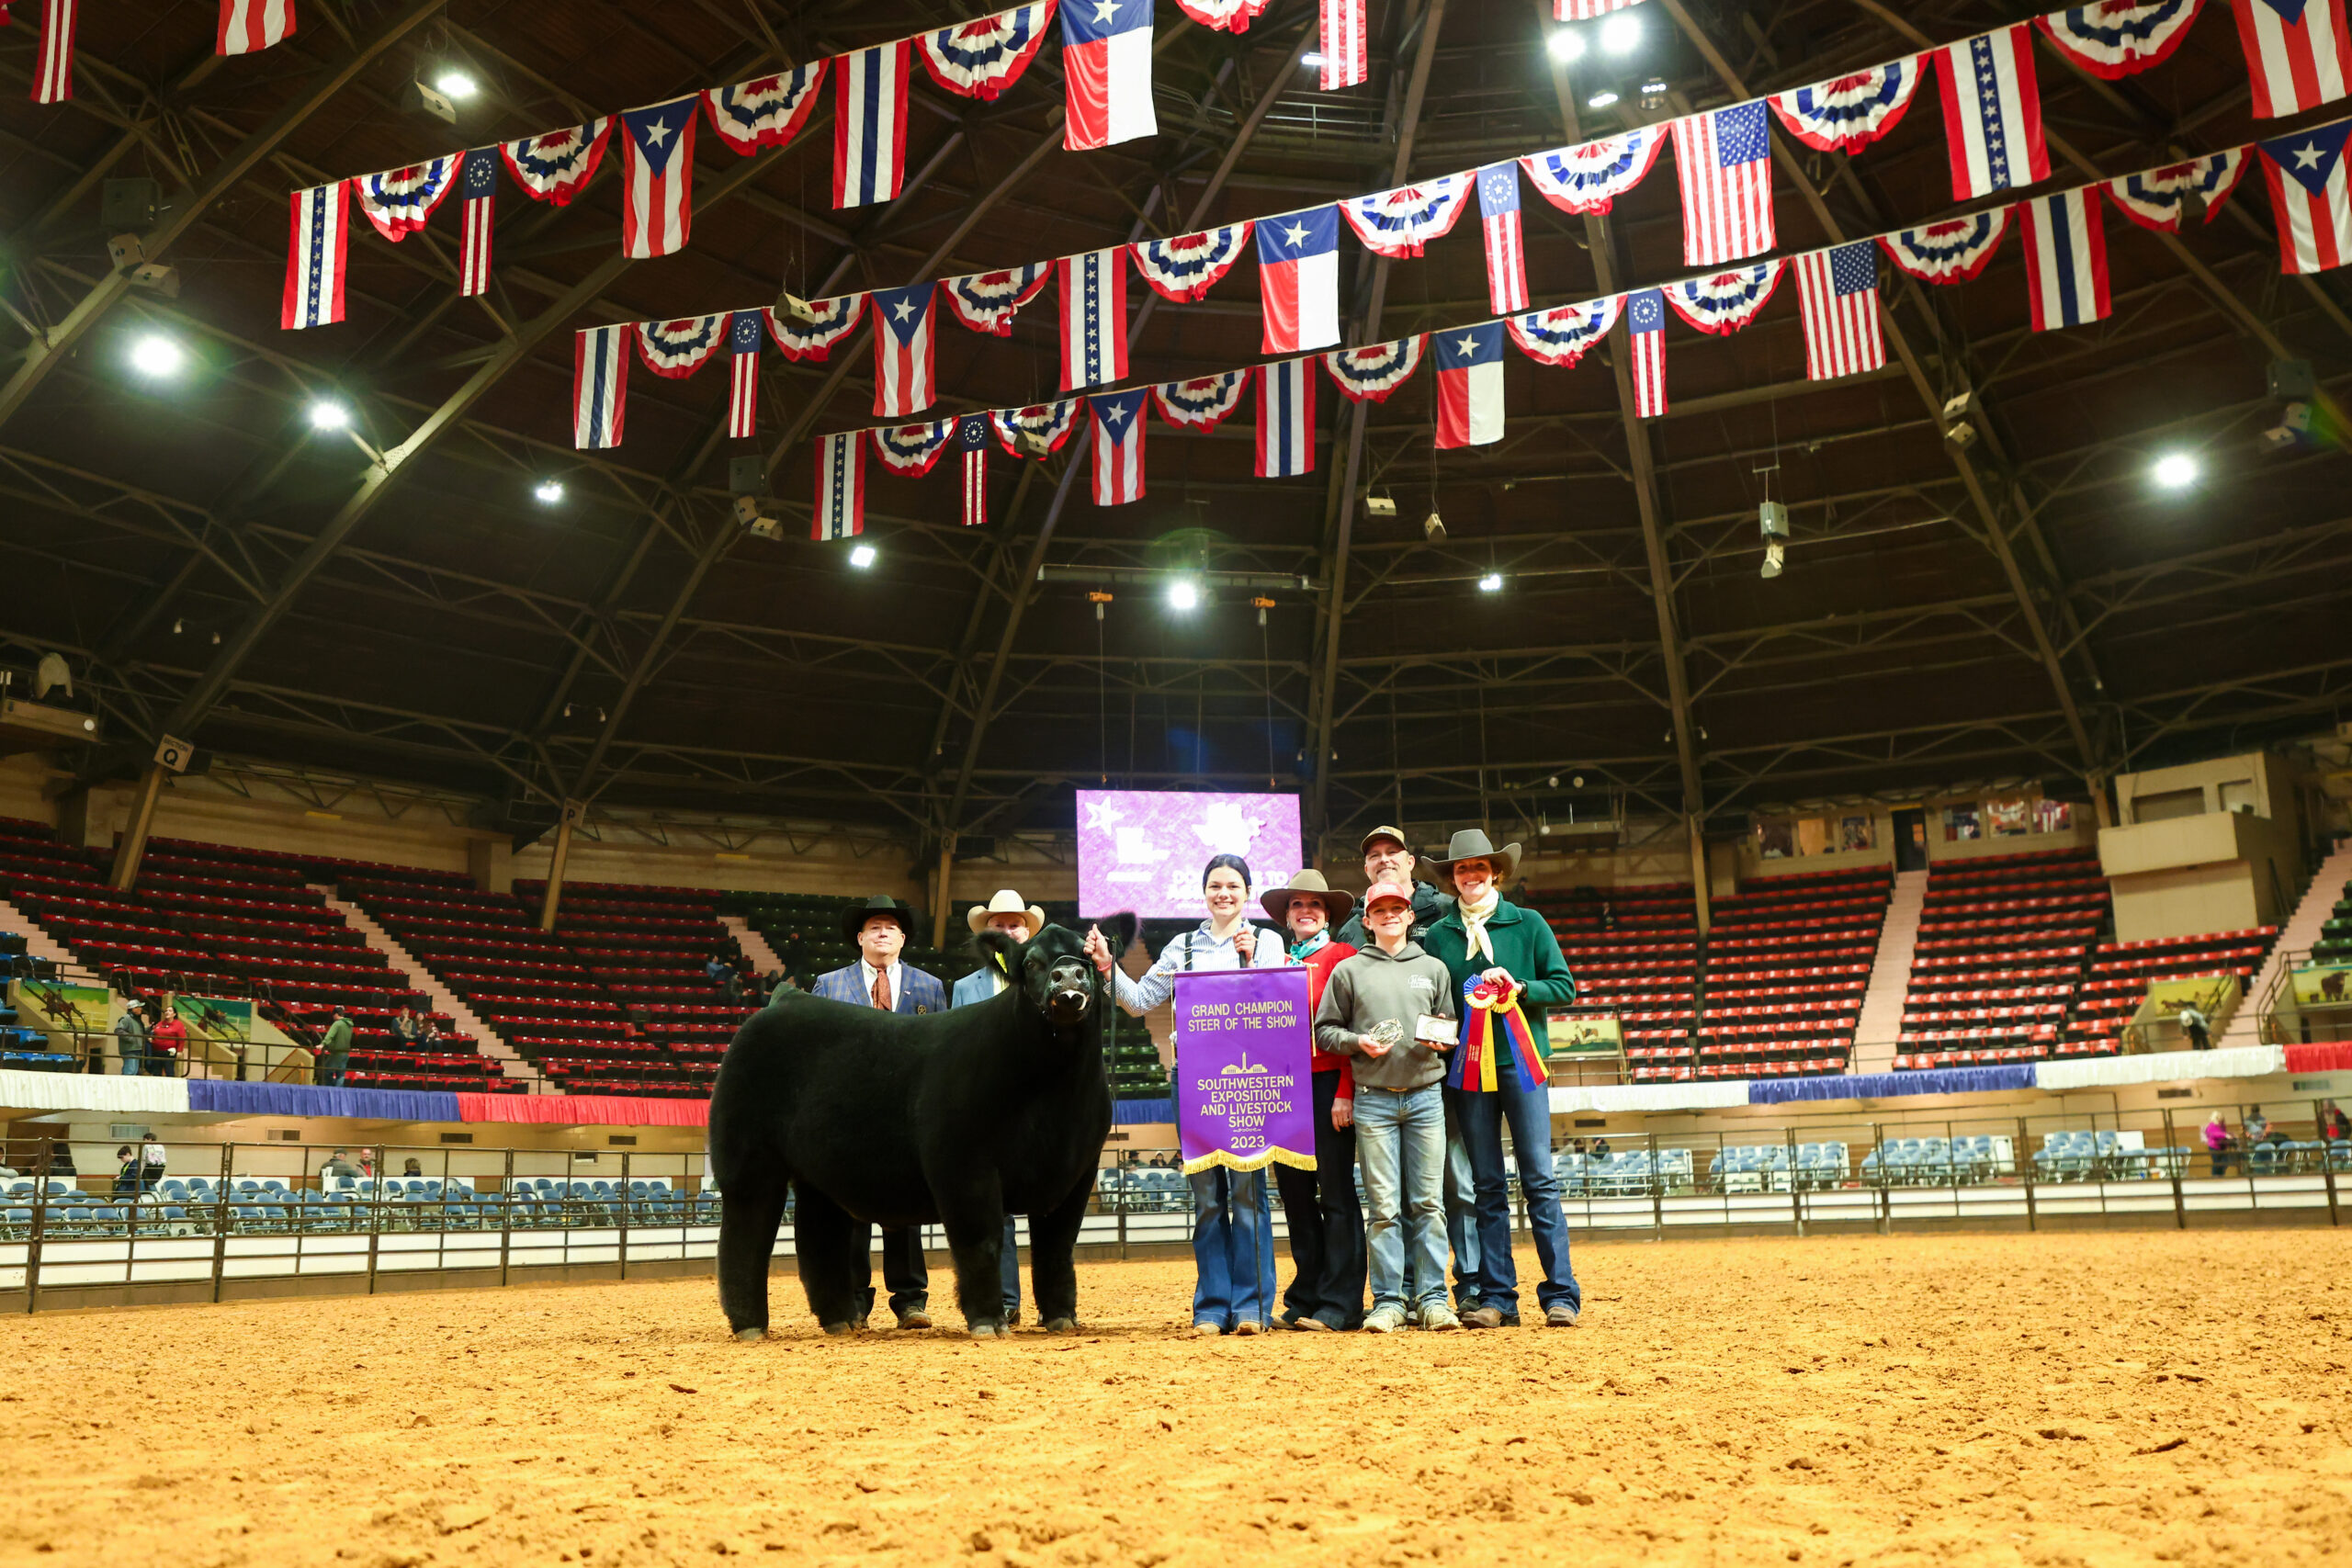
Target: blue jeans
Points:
(129, 1066)
(1233, 1247)
(1460, 1218)
(1402, 1140)
(1529, 1112)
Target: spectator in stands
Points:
(880, 927)
(1327, 1245)
(1486, 942)
(131, 1038)
(126, 1180)
(2333, 1122)
(1598, 1148)
(1233, 1215)
(413, 1166)
(338, 1165)
(152, 1159)
(2258, 1126)
(2218, 1143)
(333, 1055)
(1387, 858)
(2194, 1024)
(715, 968)
(1373, 1008)
(736, 992)
(1008, 912)
(408, 1029)
(167, 1041)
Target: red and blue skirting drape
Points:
(1493, 1026)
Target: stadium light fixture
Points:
(2175, 471)
(328, 414)
(157, 356)
(861, 557)
(549, 491)
(1314, 60)
(1183, 595)
(1567, 46)
(1621, 34)
(455, 83)
(1491, 583)
(1600, 100)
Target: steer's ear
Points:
(1120, 931)
(1000, 950)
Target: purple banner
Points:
(1244, 1088)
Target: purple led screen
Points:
(1143, 850)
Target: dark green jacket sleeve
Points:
(1546, 977)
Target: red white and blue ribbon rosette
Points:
(1222, 16)
(1562, 336)
(1183, 270)
(1724, 301)
(986, 301)
(557, 165)
(1493, 1027)
(2155, 198)
(1203, 403)
(1953, 251)
(1369, 374)
(1591, 174)
(2115, 38)
(399, 201)
(813, 340)
(1848, 113)
(1399, 222)
(766, 111)
(678, 348)
(913, 449)
(1046, 424)
(980, 58)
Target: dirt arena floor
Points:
(2086, 1399)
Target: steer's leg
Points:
(971, 1205)
(746, 1226)
(1053, 1267)
(831, 1271)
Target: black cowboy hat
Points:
(854, 918)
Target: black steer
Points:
(954, 1118)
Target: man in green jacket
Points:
(1484, 937)
(334, 1051)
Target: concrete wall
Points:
(2179, 877)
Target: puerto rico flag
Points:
(870, 124)
(675, 350)
(557, 165)
(1993, 112)
(1399, 223)
(744, 331)
(1185, 268)
(1286, 419)
(2296, 51)
(478, 208)
(1562, 336)
(1646, 336)
(1106, 73)
(1470, 386)
(972, 436)
(2158, 198)
(1953, 251)
(1506, 242)
(1846, 114)
(1345, 59)
(248, 27)
(2115, 38)
(600, 358)
(902, 319)
(981, 59)
(987, 301)
(1724, 160)
(1590, 176)
(1838, 290)
(2066, 261)
(1118, 446)
(314, 256)
(1298, 279)
(1369, 374)
(401, 201)
(913, 450)
(2305, 174)
(766, 111)
(1203, 403)
(1095, 317)
(840, 487)
(657, 177)
(53, 77)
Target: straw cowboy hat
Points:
(1471, 844)
(1337, 905)
(1005, 901)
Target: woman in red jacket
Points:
(167, 1041)
(1326, 1221)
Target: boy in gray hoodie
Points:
(1373, 1008)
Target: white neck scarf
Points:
(1473, 921)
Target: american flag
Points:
(972, 434)
(1645, 333)
(479, 210)
(743, 334)
(1724, 160)
(1344, 60)
(1506, 246)
(1839, 291)
(53, 79)
(250, 25)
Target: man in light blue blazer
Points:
(1004, 912)
(880, 927)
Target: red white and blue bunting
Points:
(1368, 375)
(1724, 301)
(2155, 198)
(557, 165)
(1587, 177)
(1203, 403)
(913, 449)
(677, 349)
(813, 340)
(1399, 222)
(766, 111)
(983, 59)
(1848, 113)
(1183, 270)
(2115, 38)
(1561, 335)
(1953, 251)
(1037, 431)
(399, 202)
(987, 301)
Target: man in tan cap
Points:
(1008, 912)
(1388, 858)
(1327, 1245)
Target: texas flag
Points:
(1298, 279)
(902, 319)
(1646, 335)
(1506, 242)
(840, 487)
(1106, 66)
(658, 176)
(1118, 446)
(1470, 386)
(2296, 51)
(1286, 419)
(743, 334)
(2307, 194)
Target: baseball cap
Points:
(1385, 831)
(1379, 890)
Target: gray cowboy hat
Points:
(1337, 905)
(853, 918)
(1471, 844)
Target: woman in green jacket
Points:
(1490, 948)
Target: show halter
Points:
(1493, 1024)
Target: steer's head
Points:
(1051, 970)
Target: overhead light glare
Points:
(326, 415)
(1491, 583)
(1600, 100)
(1567, 46)
(1621, 34)
(157, 356)
(1183, 595)
(1315, 59)
(549, 491)
(452, 82)
(861, 555)
(2175, 471)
